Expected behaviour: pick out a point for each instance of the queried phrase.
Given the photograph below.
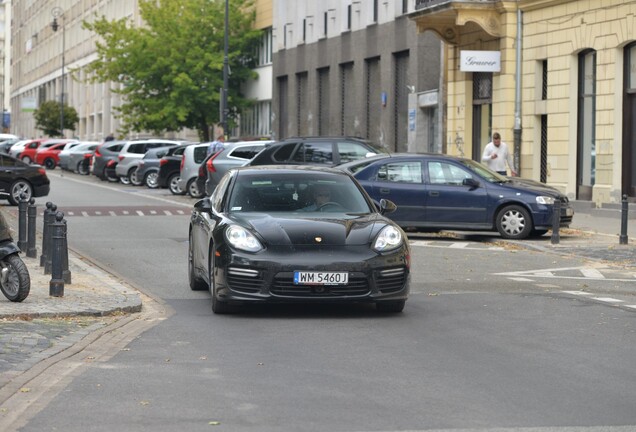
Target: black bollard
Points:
(65, 270)
(32, 214)
(623, 239)
(22, 222)
(49, 242)
(45, 233)
(556, 221)
(56, 285)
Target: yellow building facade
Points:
(564, 93)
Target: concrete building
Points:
(257, 121)
(358, 68)
(42, 56)
(555, 77)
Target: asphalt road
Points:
(491, 337)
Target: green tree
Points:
(47, 118)
(170, 70)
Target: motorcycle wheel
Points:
(15, 281)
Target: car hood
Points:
(349, 230)
(533, 186)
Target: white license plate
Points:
(320, 278)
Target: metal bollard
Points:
(623, 239)
(22, 222)
(45, 233)
(66, 273)
(32, 214)
(56, 285)
(556, 221)
(49, 242)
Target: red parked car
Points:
(49, 157)
(28, 154)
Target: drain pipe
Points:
(517, 126)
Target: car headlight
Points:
(240, 238)
(545, 200)
(389, 238)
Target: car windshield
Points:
(483, 171)
(306, 191)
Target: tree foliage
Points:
(170, 70)
(47, 118)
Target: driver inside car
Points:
(321, 196)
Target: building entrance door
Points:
(629, 124)
(482, 112)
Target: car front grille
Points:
(244, 280)
(283, 285)
(391, 280)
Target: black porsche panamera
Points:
(263, 237)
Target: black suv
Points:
(328, 151)
(105, 159)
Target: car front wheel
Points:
(219, 307)
(173, 184)
(49, 163)
(514, 222)
(196, 283)
(193, 189)
(18, 188)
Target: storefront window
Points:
(586, 125)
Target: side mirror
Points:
(203, 205)
(470, 182)
(387, 206)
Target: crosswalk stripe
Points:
(607, 299)
(592, 273)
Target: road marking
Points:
(582, 293)
(631, 306)
(140, 213)
(586, 273)
(454, 245)
(607, 299)
(520, 279)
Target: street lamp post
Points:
(226, 71)
(58, 12)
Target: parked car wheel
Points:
(132, 175)
(152, 180)
(514, 222)
(173, 184)
(18, 188)
(26, 159)
(124, 180)
(193, 189)
(49, 163)
(196, 283)
(83, 167)
(108, 175)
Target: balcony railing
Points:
(423, 4)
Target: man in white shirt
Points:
(496, 155)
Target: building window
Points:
(586, 146)
(326, 20)
(301, 103)
(375, 11)
(264, 50)
(256, 121)
(348, 17)
(482, 112)
(544, 80)
(323, 101)
(347, 111)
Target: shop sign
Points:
(480, 61)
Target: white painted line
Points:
(458, 245)
(140, 213)
(521, 279)
(543, 274)
(167, 212)
(153, 212)
(85, 213)
(71, 213)
(631, 306)
(583, 293)
(592, 273)
(125, 212)
(607, 299)
(180, 212)
(547, 286)
(98, 213)
(112, 213)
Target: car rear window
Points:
(283, 154)
(137, 148)
(246, 152)
(314, 153)
(200, 153)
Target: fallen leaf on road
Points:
(214, 423)
(25, 389)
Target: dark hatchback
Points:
(255, 241)
(439, 192)
(324, 151)
(105, 160)
(17, 177)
